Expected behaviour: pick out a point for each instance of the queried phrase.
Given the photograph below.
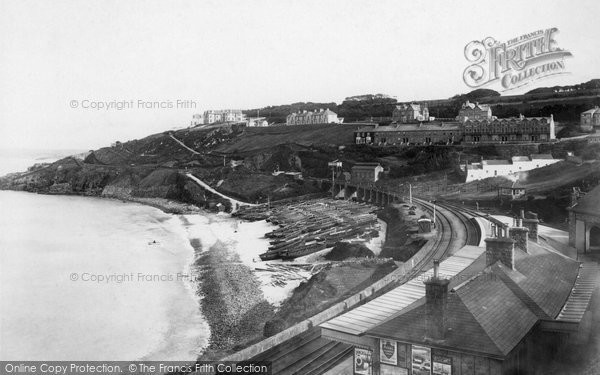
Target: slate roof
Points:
(494, 310)
(496, 162)
(541, 156)
(589, 204)
(426, 126)
(364, 317)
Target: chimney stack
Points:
(520, 235)
(436, 297)
(501, 248)
(531, 222)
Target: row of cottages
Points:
(315, 117)
(475, 124)
(493, 168)
(509, 130)
(407, 113)
(590, 119)
(503, 309)
(409, 134)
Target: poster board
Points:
(388, 352)
(441, 365)
(421, 360)
(363, 361)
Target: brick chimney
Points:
(520, 235)
(436, 297)
(501, 248)
(531, 222)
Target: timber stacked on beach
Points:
(310, 226)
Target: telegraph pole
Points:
(334, 165)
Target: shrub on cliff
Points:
(345, 250)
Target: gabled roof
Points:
(494, 310)
(366, 166)
(590, 203)
(592, 111)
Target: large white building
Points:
(256, 121)
(218, 116)
(315, 117)
(494, 168)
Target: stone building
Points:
(225, 115)
(474, 112)
(365, 172)
(256, 122)
(493, 168)
(475, 124)
(407, 113)
(315, 117)
(584, 223)
(502, 309)
(410, 134)
(590, 119)
(197, 119)
(509, 130)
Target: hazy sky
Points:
(55, 55)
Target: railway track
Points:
(309, 353)
(457, 229)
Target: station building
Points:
(502, 309)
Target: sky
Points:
(162, 61)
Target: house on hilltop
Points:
(590, 119)
(320, 116)
(474, 111)
(407, 113)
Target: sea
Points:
(95, 279)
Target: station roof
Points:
(365, 317)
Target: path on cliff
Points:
(234, 202)
(183, 144)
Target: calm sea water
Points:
(82, 279)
